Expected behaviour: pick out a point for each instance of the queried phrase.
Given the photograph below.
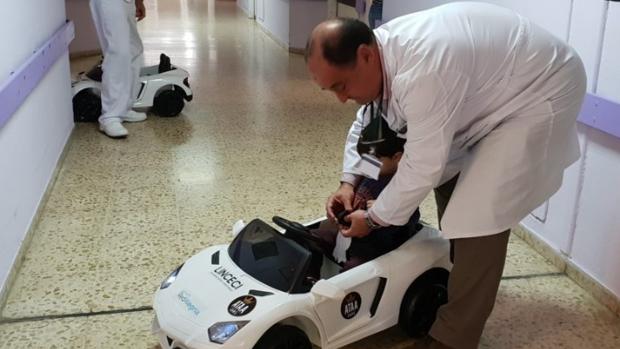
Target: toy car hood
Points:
(210, 288)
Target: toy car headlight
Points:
(222, 331)
(170, 279)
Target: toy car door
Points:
(360, 290)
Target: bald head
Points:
(337, 40)
(343, 57)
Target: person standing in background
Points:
(116, 23)
(375, 14)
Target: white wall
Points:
(585, 224)
(289, 21)
(596, 245)
(586, 36)
(346, 11)
(609, 73)
(247, 6)
(33, 139)
(305, 15)
(552, 15)
(273, 16)
(582, 219)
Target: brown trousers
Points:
(473, 282)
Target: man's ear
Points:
(397, 156)
(364, 53)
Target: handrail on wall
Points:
(22, 81)
(601, 114)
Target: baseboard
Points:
(244, 10)
(554, 256)
(567, 266)
(10, 280)
(272, 36)
(296, 50)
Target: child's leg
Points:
(352, 262)
(327, 232)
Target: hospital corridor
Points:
(258, 139)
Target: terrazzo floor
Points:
(259, 139)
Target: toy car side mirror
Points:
(327, 289)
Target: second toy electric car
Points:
(164, 88)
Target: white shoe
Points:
(134, 116)
(113, 129)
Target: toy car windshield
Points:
(269, 257)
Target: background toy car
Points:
(164, 88)
(259, 292)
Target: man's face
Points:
(360, 82)
(389, 164)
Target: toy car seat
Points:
(164, 64)
(96, 72)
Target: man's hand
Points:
(358, 228)
(341, 199)
(140, 10)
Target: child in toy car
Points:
(381, 240)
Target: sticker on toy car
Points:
(242, 305)
(229, 280)
(350, 305)
(185, 298)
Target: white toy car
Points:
(256, 292)
(163, 87)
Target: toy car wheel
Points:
(284, 337)
(169, 103)
(419, 307)
(86, 106)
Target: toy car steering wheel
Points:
(302, 236)
(340, 218)
(296, 230)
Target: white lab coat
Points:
(122, 48)
(483, 92)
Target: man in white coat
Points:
(488, 103)
(120, 42)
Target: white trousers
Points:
(115, 21)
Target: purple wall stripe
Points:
(602, 114)
(22, 81)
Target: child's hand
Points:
(369, 203)
(358, 228)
